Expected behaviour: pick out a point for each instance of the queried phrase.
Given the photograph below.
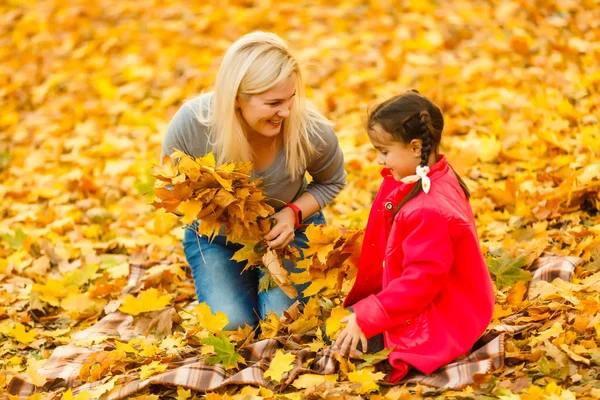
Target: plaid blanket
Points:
(62, 368)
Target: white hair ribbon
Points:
(421, 175)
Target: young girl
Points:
(422, 280)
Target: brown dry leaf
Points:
(516, 294)
(161, 321)
(280, 275)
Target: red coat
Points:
(422, 280)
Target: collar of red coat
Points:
(399, 189)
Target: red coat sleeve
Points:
(428, 257)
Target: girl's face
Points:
(265, 112)
(402, 159)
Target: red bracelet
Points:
(297, 213)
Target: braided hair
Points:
(425, 120)
(412, 116)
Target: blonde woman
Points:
(258, 111)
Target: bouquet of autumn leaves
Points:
(223, 197)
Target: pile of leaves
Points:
(88, 89)
(225, 201)
(219, 196)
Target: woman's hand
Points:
(349, 338)
(282, 233)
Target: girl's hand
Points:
(349, 338)
(282, 233)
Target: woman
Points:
(258, 112)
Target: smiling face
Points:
(265, 112)
(402, 159)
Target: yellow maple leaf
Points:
(126, 347)
(183, 394)
(190, 210)
(303, 325)
(51, 292)
(189, 167)
(321, 240)
(305, 381)
(500, 312)
(149, 349)
(213, 323)
(78, 304)
(119, 271)
(104, 388)
(312, 308)
(207, 161)
(247, 254)
(22, 335)
(33, 372)
(533, 392)
(167, 170)
(270, 325)
(555, 330)
(223, 198)
(155, 367)
(367, 379)
(15, 360)
(515, 296)
(161, 223)
(68, 395)
(225, 183)
(147, 300)
(3, 266)
(319, 284)
(333, 324)
(281, 363)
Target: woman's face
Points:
(265, 112)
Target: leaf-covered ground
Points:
(87, 89)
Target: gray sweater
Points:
(187, 134)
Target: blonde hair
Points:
(254, 64)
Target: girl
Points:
(422, 280)
(258, 112)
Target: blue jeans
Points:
(221, 284)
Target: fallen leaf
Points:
(225, 352)
(214, 323)
(280, 275)
(155, 367)
(22, 335)
(333, 324)
(281, 363)
(147, 300)
(367, 379)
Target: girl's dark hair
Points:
(413, 116)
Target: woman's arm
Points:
(329, 178)
(283, 232)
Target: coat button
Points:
(388, 206)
